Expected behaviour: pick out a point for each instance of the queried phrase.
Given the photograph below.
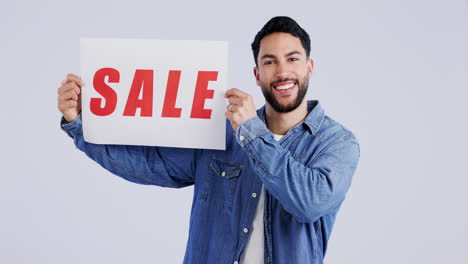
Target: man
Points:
(273, 194)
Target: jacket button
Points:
(241, 138)
(246, 230)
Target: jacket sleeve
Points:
(166, 167)
(309, 191)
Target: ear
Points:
(256, 73)
(310, 67)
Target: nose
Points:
(282, 70)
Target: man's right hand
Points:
(69, 97)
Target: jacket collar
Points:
(313, 120)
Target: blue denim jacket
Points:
(306, 176)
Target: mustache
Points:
(283, 80)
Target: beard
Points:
(303, 85)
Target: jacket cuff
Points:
(250, 130)
(72, 128)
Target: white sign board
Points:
(154, 92)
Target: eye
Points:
(268, 62)
(293, 59)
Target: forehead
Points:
(280, 43)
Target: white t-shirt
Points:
(253, 253)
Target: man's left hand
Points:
(241, 107)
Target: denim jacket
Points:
(306, 176)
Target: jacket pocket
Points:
(220, 184)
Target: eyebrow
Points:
(268, 56)
(271, 56)
(293, 53)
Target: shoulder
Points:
(332, 129)
(335, 136)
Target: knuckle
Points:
(66, 87)
(71, 86)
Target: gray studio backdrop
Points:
(394, 72)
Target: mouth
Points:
(284, 88)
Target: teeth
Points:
(284, 87)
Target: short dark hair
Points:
(281, 24)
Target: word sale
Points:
(143, 84)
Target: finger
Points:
(70, 104)
(67, 105)
(231, 117)
(235, 100)
(69, 87)
(231, 108)
(72, 94)
(73, 78)
(235, 92)
(228, 115)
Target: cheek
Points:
(303, 73)
(262, 78)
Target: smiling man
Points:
(272, 196)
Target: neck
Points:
(281, 123)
